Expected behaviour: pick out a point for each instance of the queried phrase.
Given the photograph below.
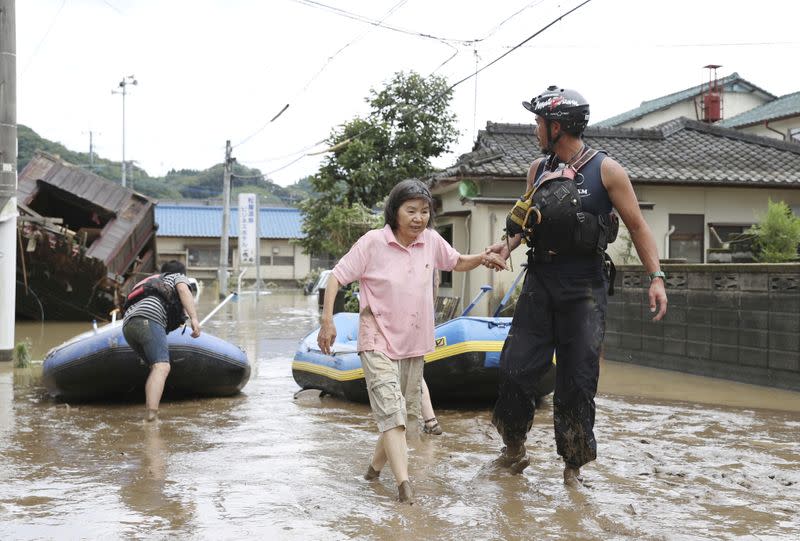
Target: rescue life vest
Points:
(550, 216)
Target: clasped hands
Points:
(493, 261)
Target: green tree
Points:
(335, 227)
(409, 123)
(777, 234)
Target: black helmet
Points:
(566, 106)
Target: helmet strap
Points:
(551, 143)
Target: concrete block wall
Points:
(731, 321)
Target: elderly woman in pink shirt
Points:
(394, 266)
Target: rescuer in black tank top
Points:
(562, 306)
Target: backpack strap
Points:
(585, 158)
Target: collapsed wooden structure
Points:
(82, 240)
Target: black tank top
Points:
(594, 196)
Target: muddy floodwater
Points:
(679, 457)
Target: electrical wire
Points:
(351, 15)
(44, 37)
(637, 46)
(281, 168)
(378, 23)
(314, 77)
(451, 57)
(351, 42)
(284, 156)
(259, 130)
(303, 154)
(517, 46)
(112, 6)
(361, 18)
(494, 30)
(448, 89)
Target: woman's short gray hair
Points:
(403, 191)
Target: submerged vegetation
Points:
(22, 354)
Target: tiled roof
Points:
(680, 151)
(502, 150)
(783, 107)
(731, 83)
(206, 221)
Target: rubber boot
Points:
(572, 476)
(513, 458)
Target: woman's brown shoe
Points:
(372, 473)
(404, 492)
(432, 426)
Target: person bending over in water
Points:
(148, 321)
(394, 266)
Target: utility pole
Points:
(132, 173)
(91, 151)
(226, 216)
(258, 247)
(8, 177)
(123, 84)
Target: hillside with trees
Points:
(176, 185)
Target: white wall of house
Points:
(684, 108)
(485, 224)
(787, 127)
(472, 234)
(281, 260)
(733, 103)
(728, 205)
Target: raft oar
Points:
(216, 308)
(510, 291)
(469, 308)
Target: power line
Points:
(452, 56)
(494, 30)
(379, 23)
(330, 59)
(44, 37)
(284, 156)
(112, 6)
(447, 90)
(361, 18)
(281, 168)
(634, 45)
(319, 72)
(259, 130)
(520, 44)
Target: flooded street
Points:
(679, 457)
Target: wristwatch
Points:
(658, 274)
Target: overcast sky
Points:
(211, 70)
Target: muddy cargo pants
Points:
(562, 308)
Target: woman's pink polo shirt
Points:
(396, 283)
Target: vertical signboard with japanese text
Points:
(248, 235)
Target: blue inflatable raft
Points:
(99, 364)
(462, 368)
